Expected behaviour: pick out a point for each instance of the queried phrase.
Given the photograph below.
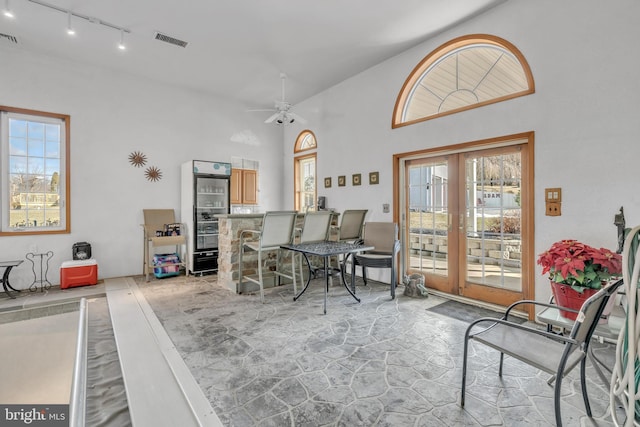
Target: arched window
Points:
(465, 73)
(306, 141)
(304, 167)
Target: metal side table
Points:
(44, 261)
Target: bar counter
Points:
(230, 226)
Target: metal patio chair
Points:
(315, 228)
(349, 230)
(547, 351)
(383, 236)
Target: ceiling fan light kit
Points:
(283, 115)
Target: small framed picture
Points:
(327, 182)
(356, 179)
(374, 178)
(342, 180)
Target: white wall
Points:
(584, 114)
(112, 115)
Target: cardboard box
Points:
(78, 273)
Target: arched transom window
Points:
(306, 141)
(465, 73)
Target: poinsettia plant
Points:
(581, 266)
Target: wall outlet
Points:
(385, 207)
(553, 209)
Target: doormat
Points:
(468, 313)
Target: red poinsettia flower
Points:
(582, 266)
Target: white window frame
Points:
(64, 121)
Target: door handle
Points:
(450, 224)
(461, 223)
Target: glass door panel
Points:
(467, 218)
(429, 220)
(493, 224)
(212, 197)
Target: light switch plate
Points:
(553, 195)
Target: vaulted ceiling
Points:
(235, 49)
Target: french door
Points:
(467, 221)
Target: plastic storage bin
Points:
(78, 273)
(166, 265)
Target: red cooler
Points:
(78, 273)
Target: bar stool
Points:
(277, 230)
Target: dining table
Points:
(326, 250)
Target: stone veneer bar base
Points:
(230, 226)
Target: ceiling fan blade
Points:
(260, 109)
(272, 118)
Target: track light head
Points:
(121, 45)
(70, 30)
(7, 10)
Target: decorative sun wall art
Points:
(153, 173)
(137, 159)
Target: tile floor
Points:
(380, 362)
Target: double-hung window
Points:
(34, 172)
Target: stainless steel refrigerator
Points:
(205, 193)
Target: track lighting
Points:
(7, 10)
(70, 29)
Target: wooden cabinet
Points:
(244, 187)
(236, 186)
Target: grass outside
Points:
(26, 217)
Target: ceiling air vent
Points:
(8, 38)
(171, 40)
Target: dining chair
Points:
(351, 222)
(349, 230)
(315, 228)
(277, 230)
(383, 236)
(154, 223)
(548, 351)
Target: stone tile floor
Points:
(380, 362)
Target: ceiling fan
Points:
(283, 114)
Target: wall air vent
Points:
(171, 40)
(7, 37)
